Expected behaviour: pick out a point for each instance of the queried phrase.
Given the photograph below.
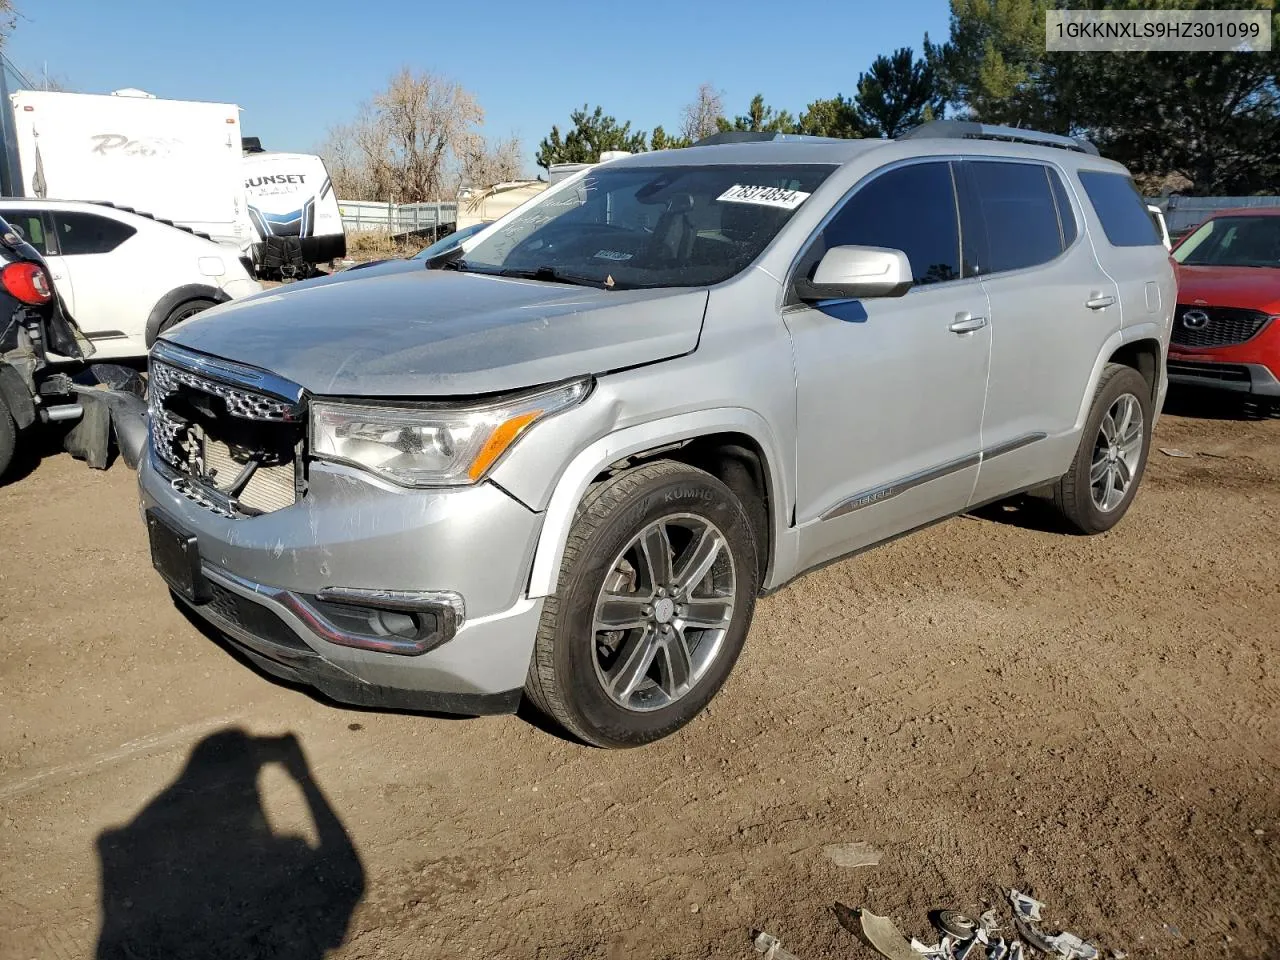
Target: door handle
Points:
(1098, 301)
(967, 323)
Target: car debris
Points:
(1023, 906)
(956, 925)
(1026, 913)
(964, 938)
(1072, 947)
(884, 935)
(856, 854)
(770, 947)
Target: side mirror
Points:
(854, 273)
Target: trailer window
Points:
(86, 233)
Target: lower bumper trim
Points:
(1253, 378)
(299, 664)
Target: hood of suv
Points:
(437, 333)
(1253, 288)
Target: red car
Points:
(1226, 330)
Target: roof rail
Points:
(969, 130)
(759, 136)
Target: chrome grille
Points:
(240, 403)
(235, 451)
(1197, 326)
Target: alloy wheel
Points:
(1117, 453)
(663, 611)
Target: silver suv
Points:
(562, 460)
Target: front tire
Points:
(655, 596)
(1096, 492)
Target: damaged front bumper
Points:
(373, 594)
(112, 408)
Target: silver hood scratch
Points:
(445, 334)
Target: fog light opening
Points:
(388, 621)
(394, 623)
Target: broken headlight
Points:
(431, 446)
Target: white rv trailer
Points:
(177, 160)
(293, 208)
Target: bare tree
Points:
(483, 163)
(417, 141)
(698, 119)
(346, 164)
(8, 20)
(409, 135)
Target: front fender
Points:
(595, 458)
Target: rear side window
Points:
(29, 224)
(1124, 215)
(912, 209)
(84, 233)
(1015, 202)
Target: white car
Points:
(126, 276)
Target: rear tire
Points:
(1096, 492)
(183, 311)
(8, 439)
(681, 620)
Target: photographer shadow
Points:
(199, 873)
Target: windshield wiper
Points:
(450, 259)
(552, 275)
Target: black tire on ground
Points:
(8, 438)
(1073, 496)
(184, 311)
(563, 682)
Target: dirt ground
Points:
(988, 703)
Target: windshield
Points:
(627, 227)
(1233, 242)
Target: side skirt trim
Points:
(867, 498)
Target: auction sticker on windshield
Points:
(764, 196)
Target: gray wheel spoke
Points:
(675, 666)
(656, 547)
(1123, 475)
(1108, 428)
(698, 562)
(1125, 406)
(1109, 488)
(707, 614)
(621, 611)
(1131, 437)
(1098, 470)
(634, 660)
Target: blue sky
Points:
(299, 67)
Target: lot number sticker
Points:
(764, 196)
